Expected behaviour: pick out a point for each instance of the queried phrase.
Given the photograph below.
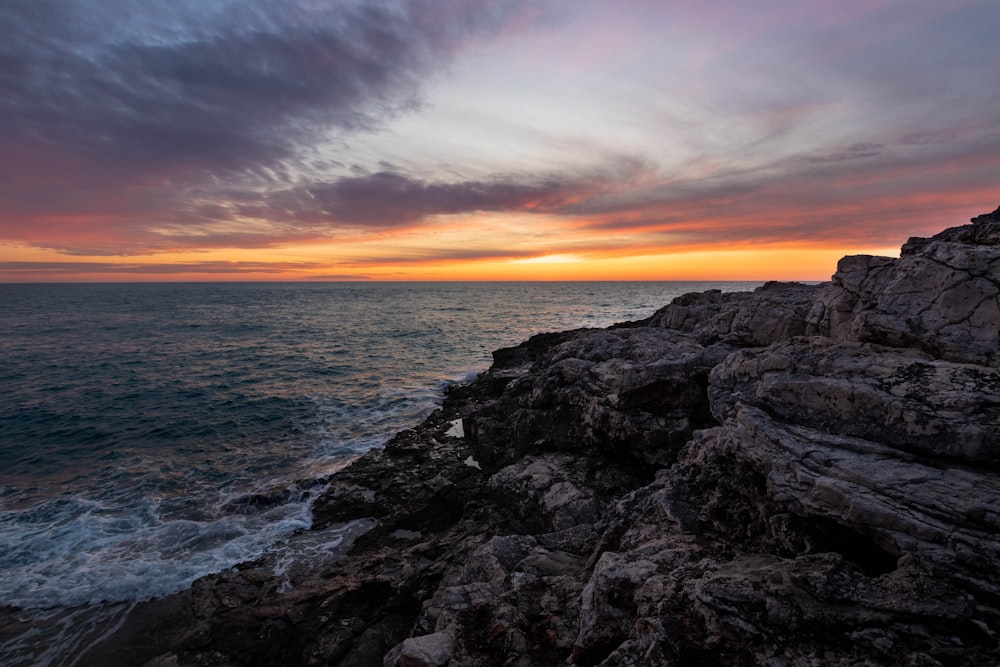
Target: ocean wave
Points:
(71, 551)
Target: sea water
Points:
(151, 434)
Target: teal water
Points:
(142, 424)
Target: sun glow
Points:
(387, 261)
(548, 259)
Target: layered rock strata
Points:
(801, 475)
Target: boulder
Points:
(902, 398)
(432, 650)
(620, 394)
(942, 296)
(771, 313)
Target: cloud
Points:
(857, 151)
(124, 101)
(242, 214)
(862, 194)
(384, 199)
(244, 89)
(428, 254)
(336, 277)
(22, 271)
(131, 128)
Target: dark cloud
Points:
(212, 216)
(394, 198)
(391, 199)
(102, 95)
(374, 201)
(857, 151)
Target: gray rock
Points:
(513, 597)
(742, 552)
(899, 397)
(426, 651)
(802, 475)
(773, 312)
(548, 493)
(941, 296)
(636, 392)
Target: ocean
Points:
(139, 423)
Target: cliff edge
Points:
(799, 475)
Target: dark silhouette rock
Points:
(799, 475)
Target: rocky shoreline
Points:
(799, 475)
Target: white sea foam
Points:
(299, 555)
(78, 552)
(343, 430)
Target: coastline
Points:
(803, 474)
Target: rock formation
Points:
(801, 475)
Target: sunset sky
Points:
(502, 140)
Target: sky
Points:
(501, 140)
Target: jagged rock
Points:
(547, 493)
(717, 562)
(942, 296)
(898, 504)
(514, 597)
(898, 397)
(774, 312)
(618, 393)
(984, 231)
(432, 650)
(796, 476)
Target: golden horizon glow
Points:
(311, 263)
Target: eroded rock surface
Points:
(942, 295)
(801, 475)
